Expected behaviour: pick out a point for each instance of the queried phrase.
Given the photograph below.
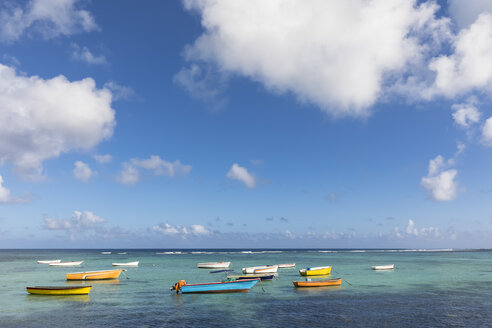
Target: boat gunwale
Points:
(95, 271)
(58, 287)
(223, 282)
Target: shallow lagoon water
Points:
(427, 288)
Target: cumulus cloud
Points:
(241, 174)
(466, 12)
(49, 117)
(48, 18)
(469, 67)
(466, 114)
(411, 230)
(79, 221)
(82, 171)
(103, 159)
(181, 231)
(130, 173)
(298, 47)
(85, 55)
(487, 132)
(440, 183)
(4, 192)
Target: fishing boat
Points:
(122, 253)
(132, 264)
(236, 286)
(48, 261)
(59, 290)
(214, 265)
(74, 263)
(263, 276)
(317, 271)
(261, 269)
(318, 283)
(285, 265)
(106, 253)
(220, 271)
(383, 267)
(94, 275)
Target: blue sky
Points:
(245, 124)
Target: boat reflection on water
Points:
(64, 298)
(317, 290)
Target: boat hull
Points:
(253, 276)
(318, 283)
(315, 271)
(238, 286)
(383, 267)
(286, 265)
(49, 261)
(75, 263)
(133, 264)
(214, 265)
(260, 269)
(58, 291)
(94, 275)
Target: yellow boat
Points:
(317, 271)
(59, 290)
(94, 275)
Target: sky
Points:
(245, 124)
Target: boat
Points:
(74, 263)
(316, 271)
(383, 267)
(95, 275)
(285, 265)
(106, 253)
(219, 271)
(318, 283)
(236, 286)
(133, 264)
(261, 269)
(59, 290)
(48, 261)
(214, 265)
(122, 253)
(263, 276)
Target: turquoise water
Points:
(429, 288)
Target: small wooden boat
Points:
(74, 263)
(285, 265)
(383, 267)
(49, 261)
(263, 276)
(317, 271)
(318, 283)
(59, 290)
(132, 264)
(94, 275)
(219, 271)
(261, 269)
(122, 253)
(236, 286)
(106, 253)
(214, 265)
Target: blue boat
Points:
(237, 286)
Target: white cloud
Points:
(337, 55)
(159, 167)
(469, 67)
(440, 183)
(85, 55)
(103, 159)
(181, 231)
(487, 132)
(48, 18)
(79, 221)
(410, 229)
(466, 12)
(466, 115)
(4, 193)
(82, 171)
(241, 174)
(119, 91)
(49, 117)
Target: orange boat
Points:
(318, 283)
(94, 275)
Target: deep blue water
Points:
(427, 289)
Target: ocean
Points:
(428, 288)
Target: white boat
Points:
(106, 253)
(74, 263)
(133, 264)
(383, 267)
(214, 265)
(122, 253)
(49, 261)
(261, 269)
(285, 265)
